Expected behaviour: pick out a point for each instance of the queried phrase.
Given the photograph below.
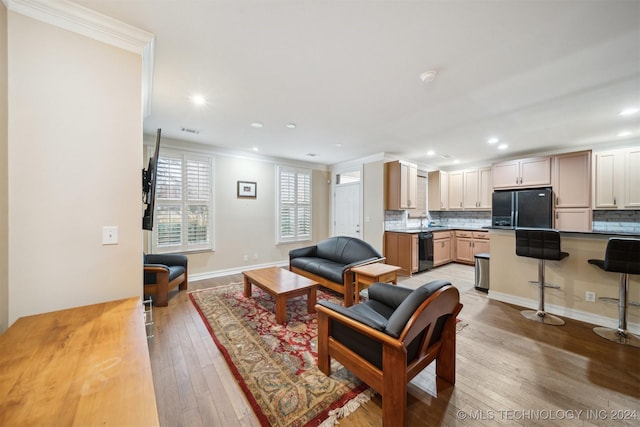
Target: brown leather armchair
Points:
(389, 339)
(163, 272)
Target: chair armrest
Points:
(308, 251)
(167, 259)
(156, 268)
(353, 315)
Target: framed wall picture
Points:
(247, 190)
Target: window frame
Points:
(185, 247)
(297, 204)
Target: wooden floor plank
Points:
(505, 364)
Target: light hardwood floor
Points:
(510, 371)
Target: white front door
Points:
(347, 210)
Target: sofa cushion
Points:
(322, 267)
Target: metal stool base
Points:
(618, 335)
(542, 317)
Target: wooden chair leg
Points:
(324, 360)
(446, 360)
(394, 394)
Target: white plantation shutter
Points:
(294, 204)
(184, 203)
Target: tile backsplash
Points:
(617, 221)
(614, 221)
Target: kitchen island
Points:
(510, 274)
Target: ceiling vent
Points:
(193, 131)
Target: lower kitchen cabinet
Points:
(441, 248)
(401, 249)
(470, 243)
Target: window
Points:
(183, 218)
(294, 205)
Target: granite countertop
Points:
(433, 229)
(594, 232)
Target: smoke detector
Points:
(428, 76)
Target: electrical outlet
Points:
(246, 258)
(110, 235)
(255, 256)
(590, 296)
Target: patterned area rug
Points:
(275, 365)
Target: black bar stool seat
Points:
(622, 255)
(542, 244)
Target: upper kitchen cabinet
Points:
(456, 190)
(617, 179)
(572, 188)
(572, 180)
(531, 172)
(401, 180)
(421, 197)
(438, 182)
(477, 189)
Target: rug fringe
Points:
(347, 409)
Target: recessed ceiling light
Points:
(629, 111)
(428, 76)
(338, 145)
(624, 133)
(431, 153)
(456, 161)
(255, 149)
(503, 147)
(291, 125)
(198, 99)
(492, 140)
(256, 125)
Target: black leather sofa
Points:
(329, 262)
(163, 272)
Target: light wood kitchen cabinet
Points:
(401, 180)
(531, 172)
(401, 249)
(573, 219)
(456, 185)
(572, 191)
(441, 248)
(617, 179)
(477, 186)
(438, 183)
(421, 197)
(470, 243)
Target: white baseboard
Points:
(235, 270)
(583, 316)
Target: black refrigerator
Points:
(531, 208)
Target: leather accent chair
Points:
(541, 244)
(622, 255)
(389, 339)
(163, 272)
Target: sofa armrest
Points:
(156, 268)
(361, 263)
(308, 251)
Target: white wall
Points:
(247, 226)
(74, 142)
(4, 209)
(373, 206)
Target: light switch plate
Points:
(110, 235)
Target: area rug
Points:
(275, 365)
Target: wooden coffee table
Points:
(281, 284)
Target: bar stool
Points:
(543, 245)
(621, 256)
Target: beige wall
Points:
(75, 133)
(373, 206)
(247, 226)
(4, 191)
(510, 273)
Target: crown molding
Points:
(75, 18)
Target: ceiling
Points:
(538, 75)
